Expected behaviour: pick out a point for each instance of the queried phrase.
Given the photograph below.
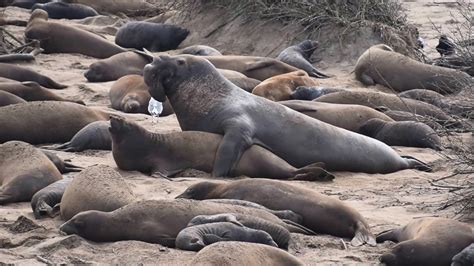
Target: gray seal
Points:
(311, 93)
(200, 50)
(94, 136)
(59, 10)
(299, 55)
(18, 73)
(45, 202)
(465, 257)
(7, 98)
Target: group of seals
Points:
(136, 149)
(21, 74)
(204, 100)
(381, 65)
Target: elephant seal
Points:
(96, 188)
(200, 50)
(278, 233)
(128, 7)
(239, 253)
(204, 100)
(282, 214)
(19, 73)
(27, 4)
(404, 133)
(136, 149)
(426, 241)
(437, 100)
(406, 116)
(154, 221)
(7, 98)
(32, 91)
(196, 237)
(465, 257)
(347, 116)
(45, 122)
(260, 68)
(311, 93)
(56, 37)
(281, 87)
(155, 37)
(94, 136)
(299, 55)
(44, 202)
(116, 66)
(62, 166)
(388, 101)
(59, 10)
(130, 95)
(381, 65)
(240, 80)
(321, 213)
(24, 170)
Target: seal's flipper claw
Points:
(363, 236)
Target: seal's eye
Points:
(181, 62)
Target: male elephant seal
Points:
(59, 10)
(94, 136)
(238, 253)
(130, 95)
(281, 87)
(44, 202)
(19, 73)
(135, 148)
(32, 91)
(56, 37)
(388, 101)
(7, 98)
(45, 122)
(299, 55)
(200, 50)
(465, 257)
(405, 133)
(196, 237)
(154, 221)
(24, 170)
(204, 100)
(155, 37)
(381, 65)
(321, 213)
(427, 241)
(96, 188)
(278, 233)
(347, 116)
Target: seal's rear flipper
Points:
(62, 147)
(69, 167)
(387, 235)
(298, 228)
(363, 236)
(313, 172)
(414, 163)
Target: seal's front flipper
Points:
(367, 80)
(41, 209)
(414, 163)
(313, 172)
(387, 235)
(363, 236)
(211, 239)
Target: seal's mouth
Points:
(68, 228)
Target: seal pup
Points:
(7, 98)
(240, 253)
(96, 188)
(27, 4)
(116, 66)
(404, 133)
(196, 237)
(155, 37)
(24, 170)
(45, 202)
(59, 10)
(426, 241)
(311, 93)
(136, 149)
(200, 50)
(32, 91)
(94, 136)
(204, 100)
(56, 37)
(299, 55)
(465, 257)
(21, 74)
(320, 213)
(381, 65)
(45, 121)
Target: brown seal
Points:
(56, 37)
(381, 65)
(7, 98)
(405, 133)
(426, 241)
(96, 188)
(321, 213)
(347, 116)
(134, 148)
(238, 253)
(45, 122)
(24, 170)
(280, 88)
(130, 95)
(32, 91)
(115, 67)
(154, 221)
(19, 73)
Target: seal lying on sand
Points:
(32, 91)
(281, 87)
(381, 65)
(94, 136)
(426, 241)
(19, 73)
(299, 55)
(59, 10)
(321, 213)
(134, 148)
(24, 170)
(465, 257)
(44, 202)
(7, 98)
(204, 100)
